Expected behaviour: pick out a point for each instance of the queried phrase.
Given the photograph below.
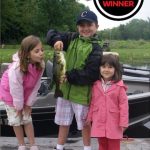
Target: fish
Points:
(59, 71)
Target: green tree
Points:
(21, 18)
(136, 29)
(10, 26)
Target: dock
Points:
(10, 143)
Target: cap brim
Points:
(85, 20)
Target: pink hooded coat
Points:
(18, 89)
(108, 110)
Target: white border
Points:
(118, 17)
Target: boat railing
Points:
(135, 68)
(136, 71)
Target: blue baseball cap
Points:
(87, 15)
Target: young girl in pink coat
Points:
(109, 105)
(19, 86)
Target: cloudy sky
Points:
(105, 23)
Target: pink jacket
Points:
(108, 110)
(18, 89)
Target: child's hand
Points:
(27, 110)
(63, 79)
(19, 113)
(87, 123)
(124, 128)
(59, 45)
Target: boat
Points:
(136, 84)
(135, 71)
(137, 79)
(44, 111)
(139, 116)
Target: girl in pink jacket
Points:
(109, 105)
(19, 86)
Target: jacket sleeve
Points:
(16, 86)
(53, 36)
(90, 73)
(123, 106)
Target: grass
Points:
(131, 52)
(134, 56)
(6, 54)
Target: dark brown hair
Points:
(27, 45)
(113, 60)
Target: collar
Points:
(92, 39)
(107, 82)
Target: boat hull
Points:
(44, 112)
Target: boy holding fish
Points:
(83, 55)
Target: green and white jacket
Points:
(83, 57)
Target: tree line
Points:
(20, 18)
(136, 29)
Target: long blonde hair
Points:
(27, 45)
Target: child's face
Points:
(37, 54)
(107, 72)
(87, 29)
